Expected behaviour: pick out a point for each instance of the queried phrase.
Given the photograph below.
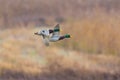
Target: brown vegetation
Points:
(98, 34)
(24, 56)
(92, 52)
(41, 12)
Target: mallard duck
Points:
(47, 37)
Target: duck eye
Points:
(43, 31)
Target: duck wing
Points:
(46, 40)
(56, 31)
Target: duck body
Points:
(57, 38)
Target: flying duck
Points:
(51, 35)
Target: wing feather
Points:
(46, 40)
(56, 30)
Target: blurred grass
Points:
(92, 52)
(93, 46)
(99, 34)
(18, 51)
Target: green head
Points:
(67, 36)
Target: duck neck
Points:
(65, 36)
(62, 37)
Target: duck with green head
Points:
(54, 37)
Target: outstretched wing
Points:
(46, 40)
(56, 31)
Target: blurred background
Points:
(92, 52)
